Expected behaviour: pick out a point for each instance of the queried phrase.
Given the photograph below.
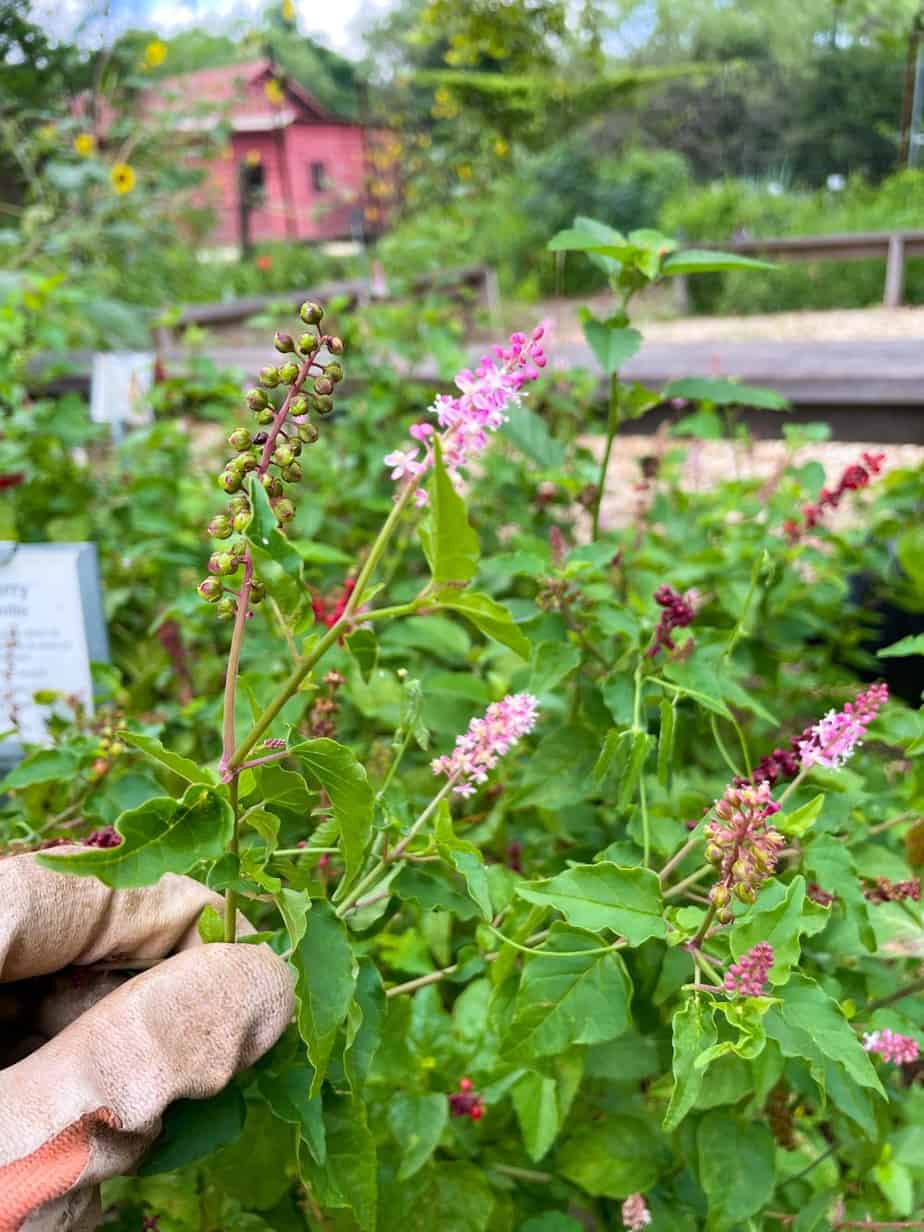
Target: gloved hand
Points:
(93, 1058)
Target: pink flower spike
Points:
(479, 749)
(421, 498)
(899, 1049)
(635, 1213)
(420, 431)
(835, 738)
(403, 462)
(748, 976)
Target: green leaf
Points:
(486, 614)
(152, 748)
(211, 926)
(45, 766)
(810, 1025)
(812, 1216)
(723, 391)
(435, 889)
(273, 554)
(552, 662)
(640, 747)
(465, 858)
(832, 866)
(448, 1197)
(583, 238)
(535, 1101)
(348, 1179)
(335, 768)
(326, 977)
(781, 915)
(566, 1001)
(694, 1032)
(666, 740)
(603, 896)
(611, 344)
(367, 1016)
(288, 1094)
(551, 1221)
(194, 1128)
(736, 1168)
(527, 431)
(161, 836)
(293, 907)
(614, 753)
(801, 820)
(911, 645)
(452, 543)
(706, 261)
(613, 1156)
(416, 1123)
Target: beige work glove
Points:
(92, 1058)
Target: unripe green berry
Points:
(283, 455)
(323, 386)
(724, 915)
(292, 473)
(210, 589)
(746, 894)
(335, 346)
(273, 486)
(226, 608)
(257, 592)
(250, 461)
(229, 481)
(220, 526)
(333, 372)
(289, 372)
(116, 748)
(284, 510)
(239, 504)
(235, 466)
(239, 439)
(719, 895)
(256, 399)
(308, 433)
(295, 445)
(323, 405)
(307, 344)
(269, 376)
(266, 416)
(311, 313)
(299, 405)
(241, 521)
(283, 343)
(222, 563)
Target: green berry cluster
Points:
(282, 404)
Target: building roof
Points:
(238, 92)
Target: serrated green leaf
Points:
(435, 889)
(367, 1020)
(911, 645)
(335, 768)
(326, 978)
(801, 820)
(736, 1168)
(781, 916)
(832, 866)
(535, 1102)
(527, 431)
(349, 1178)
(551, 663)
(45, 766)
(602, 897)
(566, 1001)
(694, 1033)
(613, 1156)
(288, 1094)
(465, 858)
(612, 345)
(152, 748)
(161, 836)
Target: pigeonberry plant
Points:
(594, 851)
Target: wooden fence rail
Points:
(894, 247)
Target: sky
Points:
(337, 25)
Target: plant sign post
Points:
(51, 630)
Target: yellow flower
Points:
(501, 148)
(464, 171)
(288, 10)
(274, 92)
(85, 144)
(123, 178)
(155, 54)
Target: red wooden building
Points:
(307, 173)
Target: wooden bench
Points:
(480, 280)
(891, 246)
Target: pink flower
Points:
(486, 741)
(741, 846)
(635, 1213)
(421, 498)
(748, 975)
(677, 612)
(899, 1049)
(479, 408)
(403, 462)
(834, 738)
